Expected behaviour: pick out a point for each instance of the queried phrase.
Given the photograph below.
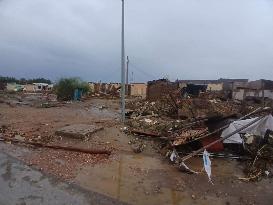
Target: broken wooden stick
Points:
(251, 177)
(73, 149)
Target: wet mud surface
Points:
(23, 185)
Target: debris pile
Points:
(204, 108)
(183, 125)
(188, 135)
(261, 149)
(140, 108)
(193, 108)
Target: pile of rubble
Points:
(192, 108)
(140, 108)
(184, 125)
(204, 108)
(174, 117)
(260, 149)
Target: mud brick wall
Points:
(159, 89)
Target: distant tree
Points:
(40, 80)
(66, 86)
(24, 80)
(8, 79)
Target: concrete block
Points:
(78, 130)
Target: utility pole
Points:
(122, 66)
(263, 92)
(127, 75)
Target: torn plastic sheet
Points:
(207, 164)
(258, 128)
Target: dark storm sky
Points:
(185, 39)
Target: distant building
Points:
(138, 90)
(14, 87)
(216, 85)
(231, 84)
(254, 89)
(193, 90)
(105, 88)
(29, 88)
(39, 87)
(159, 88)
(134, 89)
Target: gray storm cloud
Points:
(179, 39)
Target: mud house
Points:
(29, 88)
(104, 88)
(159, 88)
(138, 90)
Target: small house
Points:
(138, 90)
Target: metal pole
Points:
(122, 67)
(263, 93)
(127, 75)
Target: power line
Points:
(142, 71)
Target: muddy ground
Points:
(144, 178)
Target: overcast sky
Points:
(184, 39)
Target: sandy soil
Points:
(144, 178)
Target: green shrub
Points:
(66, 86)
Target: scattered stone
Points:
(19, 137)
(137, 147)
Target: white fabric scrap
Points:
(207, 164)
(173, 156)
